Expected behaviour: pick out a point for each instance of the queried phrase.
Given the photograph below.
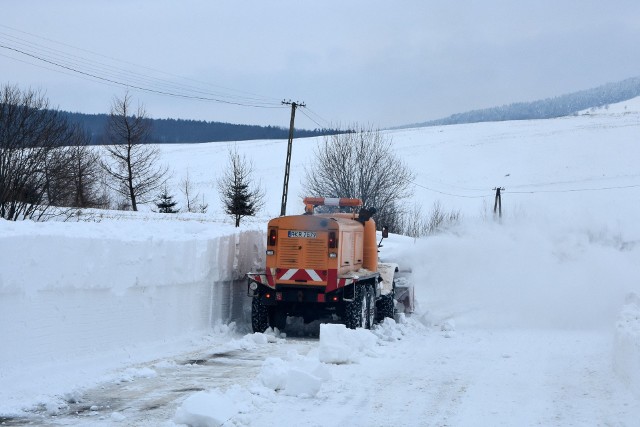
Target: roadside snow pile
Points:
(206, 409)
(296, 376)
(339, 345)
(390, 330)
(626, 355)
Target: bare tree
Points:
(360, 164)
(75, 174)
(34, 154)
(133, 162)
(240, 196)
(83, 174)
(417, 224)
(186, 187)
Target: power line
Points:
(310, 118)
(319, 117)
(572, 190)
(45, 51)
(447, 194)
(110, 74)
(136, 86)
(64, 61)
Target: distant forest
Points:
(177, 131)
(174, 131)
(564, 105)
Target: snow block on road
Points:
(297, 376)
(206, 409)
(339, 345)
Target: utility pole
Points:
(498, 203)
(285, 187)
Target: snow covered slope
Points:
(80, 299)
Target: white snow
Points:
(206, 409)
(627, 343)
(531, 319)
(340, 345)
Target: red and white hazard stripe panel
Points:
(300, 274)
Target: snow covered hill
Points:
(522, 320)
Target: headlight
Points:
(333, 255)
(253, 286)
(270, 252)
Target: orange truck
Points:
(325, 265)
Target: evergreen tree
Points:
(165, 202)
(238, 194)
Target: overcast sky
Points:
(381, 63)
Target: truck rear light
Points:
(320, 297)
(278, 296)
(333, 241)
(267, 296)
(273, 237)
(334, 299)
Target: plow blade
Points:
(404, 293)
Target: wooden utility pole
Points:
(285, 187)
(498, 203)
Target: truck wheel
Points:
(385, 307)
(355, 310)
(279, 318)
(259, 315)
(370, 311)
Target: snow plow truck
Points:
(321, 265)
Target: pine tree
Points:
(165, 202)
(239, 196)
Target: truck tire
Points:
(259, 315)
(385, 307)
(355, 310)
(279, 318)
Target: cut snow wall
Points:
(64, 295)
(626, 355)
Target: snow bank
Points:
(71, 291)
(626, 355)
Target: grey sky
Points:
(373, 62)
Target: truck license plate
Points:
(305, 234)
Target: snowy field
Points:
(534, 319)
